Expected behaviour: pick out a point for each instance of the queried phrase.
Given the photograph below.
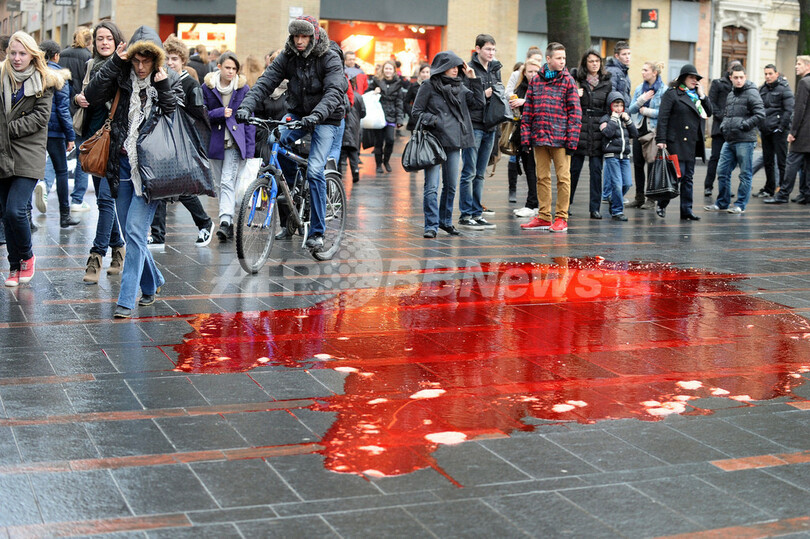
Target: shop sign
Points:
(649, 18)
(13, 5)
(67, 3)
(31, 5)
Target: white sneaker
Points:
(205, 235)
(735, 209)
(713, 207)
(41, 197)
(487, 211)
(525, 212)
(78, 208)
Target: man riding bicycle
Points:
(315, 96)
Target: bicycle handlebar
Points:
(291, 124)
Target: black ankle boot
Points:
(66, 220)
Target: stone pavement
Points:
(633, 379)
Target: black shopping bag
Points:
(662, 183)
(172, 158)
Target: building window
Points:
(680, 53)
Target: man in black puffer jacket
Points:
(618, 66)
(744, 113)
(778, 100)
(316, 95)
(717, 95)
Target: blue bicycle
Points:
(258, 219)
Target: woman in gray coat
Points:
(26, 95)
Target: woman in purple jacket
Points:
(231, 143)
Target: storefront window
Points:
(219, 36)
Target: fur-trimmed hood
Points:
(315, 48)
(241, 80)
(146, 41)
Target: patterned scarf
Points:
(136, 115)
(592, 80)
(693, 95)
(548, 74)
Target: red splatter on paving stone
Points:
(478, 351)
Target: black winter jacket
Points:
(75, 59)
(390, 98)
(488, 78)
(717, 95)
(800, 127)
(434, 110)
(197, 64)
(113, 76)
(778, 100)
(680, 126)
(619, 78)
(744, 112)
(617, 134)
(316, 83)
(594, 106)
(351, 134)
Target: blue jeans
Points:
(79, 177)
(108, 234)
(474, 166)
(334, 151)
(15, 195)
(50, 173)
(619, 178)
(440, 212)
(58, 157)
(732, 154)
(140, 270)
(319, 149)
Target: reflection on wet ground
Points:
(462, 353)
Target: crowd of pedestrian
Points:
(54, 100)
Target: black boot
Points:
(65, 219)
(378, 160)
(355, 175)
(512, 170)
(386, 159)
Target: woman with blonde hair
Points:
(389, 86)
(27, 85)
(644, 110)
(253, 69)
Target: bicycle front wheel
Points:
(335, 217)
(256, 225)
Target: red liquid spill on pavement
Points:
(477, 352)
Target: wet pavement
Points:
(635, 379)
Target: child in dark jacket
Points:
(618, 130)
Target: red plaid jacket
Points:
(552, 115)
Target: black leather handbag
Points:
(662, 183)
(423, 150)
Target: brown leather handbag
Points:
(95, 151)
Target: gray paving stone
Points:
(539, 457)
(471, 464)
(128, 438)
(604, 451)
(464, 519)
(283, 528)
(394, 522)
(162, 489)
(93, 495)
(19, 503)
(243, 483)
(200, 433)
(766, 492)
(306, 475)
(42, 443)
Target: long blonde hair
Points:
(50, 77)
(522, 74)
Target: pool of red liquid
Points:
(462, 353)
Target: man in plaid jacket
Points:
(550, 125)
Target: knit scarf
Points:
(592, 80)
(655, 86)
(136, 115)
(693, 95)
(450, 88)
(224, 90)
(13, 80)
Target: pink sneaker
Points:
(27, 269)
(536, 224)
(560, 225)
(13, 278)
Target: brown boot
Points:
(93, 270)
(117, 263)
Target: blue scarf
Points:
(647, 87)
(693, 95)
(549, 74)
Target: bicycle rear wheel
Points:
(335, 217)
(256, 225)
